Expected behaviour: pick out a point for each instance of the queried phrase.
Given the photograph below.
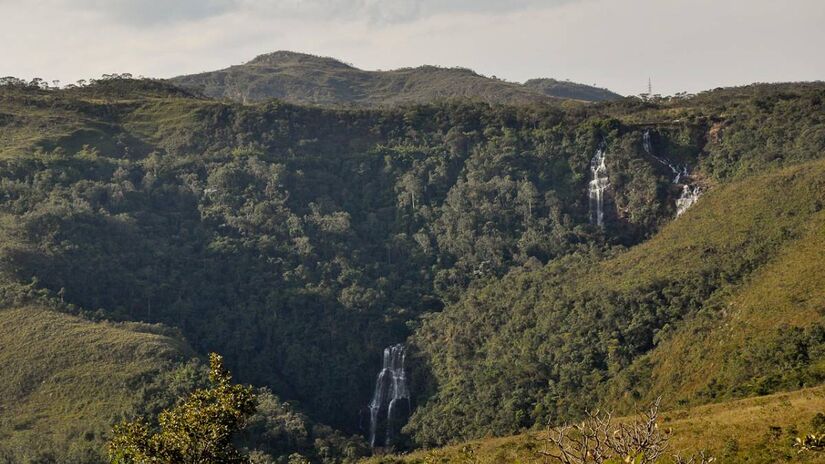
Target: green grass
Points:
(28, 120)
(66, 380)
(714, 288)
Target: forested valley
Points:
(301, 241)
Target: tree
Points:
(600, 440)
(198, 430)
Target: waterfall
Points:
(689, 193)
(687, 199)
(390, 389)
(646, 144)
(598, 184)
(679, 174)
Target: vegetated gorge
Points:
(398, 277)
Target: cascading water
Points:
(598, 184)
(647, 145)
(687, 199)
(689, 193)
(390, 388)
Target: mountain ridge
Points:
(308, 79)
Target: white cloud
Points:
(683, 44)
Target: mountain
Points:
(309, 79)
(535, 259)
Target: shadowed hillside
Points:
(570, 90)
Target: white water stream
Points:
(390, 389)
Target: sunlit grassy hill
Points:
(755, 430)
(65, 381)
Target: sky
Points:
(681, 45)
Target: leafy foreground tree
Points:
(196, 431)
(600, 440)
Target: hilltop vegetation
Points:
(570, 90)
(307, 79)
(300, 241)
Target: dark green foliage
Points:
(277, 432)
(263, 231)
(783, 362)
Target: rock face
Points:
(307, 79)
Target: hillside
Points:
(755, 431)
(570, 90)
(301, 241)
(545, 342)
(308, 79)
(768, 333)
(66, 381)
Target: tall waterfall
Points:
(598, 184)
(390, 389)
(646, 143)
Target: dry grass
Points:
(754, 430)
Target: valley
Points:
(504, 264)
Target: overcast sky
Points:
(684, 45)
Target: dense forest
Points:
(300, 241)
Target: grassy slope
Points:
(754, 430)
(756, 304)
(786, 293)
(28, 121)
(300, 78)
(67, 380)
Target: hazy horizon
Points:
(681, 45)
